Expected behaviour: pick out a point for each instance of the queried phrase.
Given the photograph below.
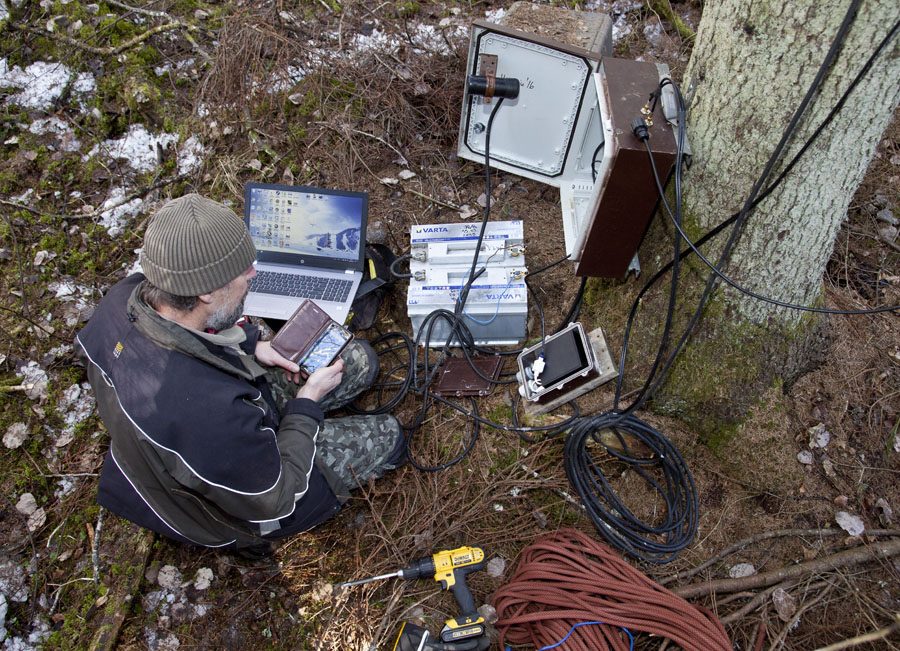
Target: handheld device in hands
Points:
(325, 349)
(310, 338)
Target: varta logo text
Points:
(498, 297)
(435, 229)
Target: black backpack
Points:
(376, 283)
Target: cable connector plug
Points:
(419, 275)
(639, 129)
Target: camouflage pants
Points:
(356, 448)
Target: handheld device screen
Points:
(327, 347)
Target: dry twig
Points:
(874, 636)
(839, 560)
(767, 535)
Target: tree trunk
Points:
(750, 68)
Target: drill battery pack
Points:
(415, 638)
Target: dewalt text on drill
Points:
(449, 568)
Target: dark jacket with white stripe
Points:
(198, 451)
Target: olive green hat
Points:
(194, 245)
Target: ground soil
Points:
(375, 116)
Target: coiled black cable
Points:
(654, 543)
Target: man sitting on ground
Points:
(211, 442)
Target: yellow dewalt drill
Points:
(449, 568)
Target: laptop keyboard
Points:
(323, 289)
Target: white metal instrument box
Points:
(569, 127)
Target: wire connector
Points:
(639, 129)
(537, 367)
(419, 254)
(517, 274)
(419, 275)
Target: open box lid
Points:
(540, 134)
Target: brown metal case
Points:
(628, 194)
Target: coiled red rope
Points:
(567, 578)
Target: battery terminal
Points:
(517, 274)
(419, 254)
(419, 275)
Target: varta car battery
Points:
(433, 245)
(495, 311)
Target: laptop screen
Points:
(306, 226)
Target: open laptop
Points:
(310, 243)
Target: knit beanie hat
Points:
(194, 245)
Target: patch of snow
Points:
(62, 289)
(618, 11)
(40, 631)
(203, 579)
(621, 28)
(155, 643)
(138, 146)
(41, 83)
(4, 608)
(156, 599)
(494, 15)
(59, 351)
(423, 38)
(75, 406)
(115, 211)
(136, 267)
(13, 581)
(179, 66)
(652, 32)
(65, 486)
(33, 374)
(67, 139)
(24, 197)
(190, 155)
(78, 305)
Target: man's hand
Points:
(323, 381)
(267, 356)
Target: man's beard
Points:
(225, 317)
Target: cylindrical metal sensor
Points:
(502, 87)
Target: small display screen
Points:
(326, 348)
(564, 356)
